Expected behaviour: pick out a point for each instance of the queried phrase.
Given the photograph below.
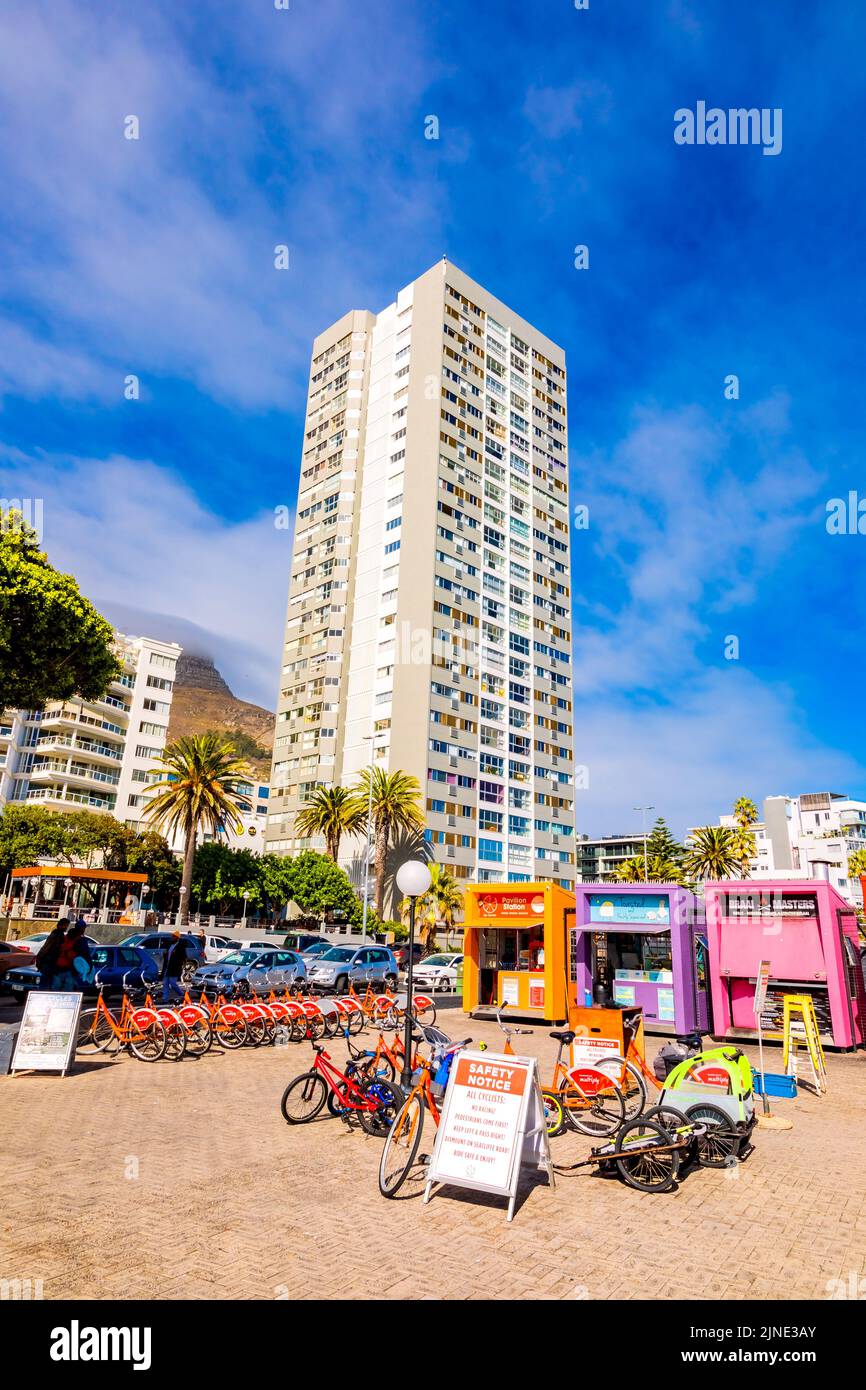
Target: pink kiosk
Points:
(808, 933)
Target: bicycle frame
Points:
(343, 1087)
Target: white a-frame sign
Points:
(492, 1124)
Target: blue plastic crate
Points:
(783, 1086)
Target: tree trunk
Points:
(381, 854)
(188, 857)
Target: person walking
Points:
(172, 970)
(48, 955)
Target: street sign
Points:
(492, 1124)
(49, 1031)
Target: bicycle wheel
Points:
(230, 1028)
(652, 1165)
(199, 1038)
(303, 1098)
(256, 1032)
(388, 1100)
(147, 1041)
(354, 1019)
(720, 1145)
(332, 1021)
(315, 1026)
(628, 1078)
(424, 1009)
(94, 1031)
(401, 1146)
(554, 1114)
(596, 1115)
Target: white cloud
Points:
(726, 734)
(136, 538)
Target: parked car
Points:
(158, 942)
(261, 970)
(401, 954)
(115, 968)
(215, 947)
(341, 966)
(438, 972)
(321, 948)
(35, 943)
(301, 941)
(11, 955)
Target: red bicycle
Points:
(374, 1101)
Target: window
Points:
(156, 706)
(159, 683)
(490, 850)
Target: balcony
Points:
(62, 797)
(60, 742)
(66, 768)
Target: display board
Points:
(49, 1031)
(492, 1125)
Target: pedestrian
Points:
(74, 961)
(47, 957)
(175, 960)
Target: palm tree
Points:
(857, 863)
(713, 852)
(199, 792)
(661, 868)
(395, 806)
(745, 816)
(332, 812)
(439, 904)
(630, 870)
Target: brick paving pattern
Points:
(182, 1181)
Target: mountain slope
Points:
(203, 703)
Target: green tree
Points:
(315, 884)
(714, 852)
(630, 870)
(53, 643)
(661, 844)
(395, 807)
(199, 793)
(331, 812)
(27, 834)
(221, 876)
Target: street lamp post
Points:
(643, 810)
(67, 884)
(246, 898)
(413, 881)
(181, 891)
(371, 739)
(145, 889)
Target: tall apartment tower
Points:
(428, 623)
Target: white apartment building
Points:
(809, 836)
(428, 624)
(94, 753)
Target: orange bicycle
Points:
(137, 1030)
(582, 1096)
(404, 1137)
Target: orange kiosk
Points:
(515, 942)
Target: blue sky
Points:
(306, 127)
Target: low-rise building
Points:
(96, 754)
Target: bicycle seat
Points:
(564, 1035)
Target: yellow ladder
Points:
(800, 1030)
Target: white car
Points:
(437, 972)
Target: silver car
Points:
(357, 965)
(254, 970)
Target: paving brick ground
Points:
(182, 1181)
